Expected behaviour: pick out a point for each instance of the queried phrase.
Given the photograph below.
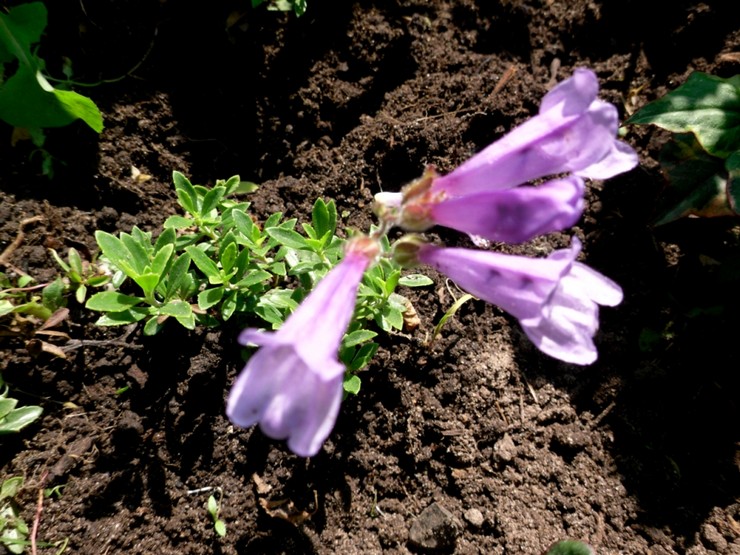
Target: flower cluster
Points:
(292, 386)
(555, 299)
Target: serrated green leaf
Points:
(111, 301)
(706, 105)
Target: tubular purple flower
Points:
(555, 299)
(573, 132)
(292, 386)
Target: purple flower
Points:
(555, 299)
(573, 133)
(292, 386)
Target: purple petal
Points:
(514, 215)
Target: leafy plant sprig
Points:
(297, 6)
(13, 529)
(702, 162)
(215, 261)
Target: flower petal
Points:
(514, 215)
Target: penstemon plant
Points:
(292, 386)
(215, 261)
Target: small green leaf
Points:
(186, 194)
(357, 337)
(287, 237)
(115, 251)
(75, 261)
(210, 297)
(363, 357)
(161, 259)
(228, 257)
(153, 326)
(229, 305)
(176, 275)
(415, 280)
(11, 487)
(220, 527)
(352, 384)
(211, 200)
(212, 506)
(111, 301)
(321, 218)
(176, 308)
(569, 547)
(254, 277)
(205, 265)
(19, 419)
(124, 317)
(178, 222)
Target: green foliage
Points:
(215, 261)
(13, 529)
(297, 6)
(80, 275)
(27, 99)
(214, 509)
(14, 419)
(702, 163)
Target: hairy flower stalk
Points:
(292, 386)
(574, 133)
(555, 299)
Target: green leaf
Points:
(138, 248)
(228, 257)
(19, 419)
(415, 280)
(19, 29)
(111, 301)
(124, 317)
(357, 337)
(7, 406)
(390, 317)
(205, 265)
(706, 105)
(212, 506)
(352, 384)
(159, 263)
(115, 251)
(229, 305)
(254, 277)
(52, 296)
(220, 527)
(75, 261)
(363, 357)
(210, 297)
(153, 326)
(167, 237)
(178, 222)
(11, 487)
(244, 224)
(186, 194)
(211, 200)
(287, 237)
(176, 275)
(176, 308)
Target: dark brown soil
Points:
(637, 454)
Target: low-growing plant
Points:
(14, 419)
(702, 161)
(214, 510)
(215, 262)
